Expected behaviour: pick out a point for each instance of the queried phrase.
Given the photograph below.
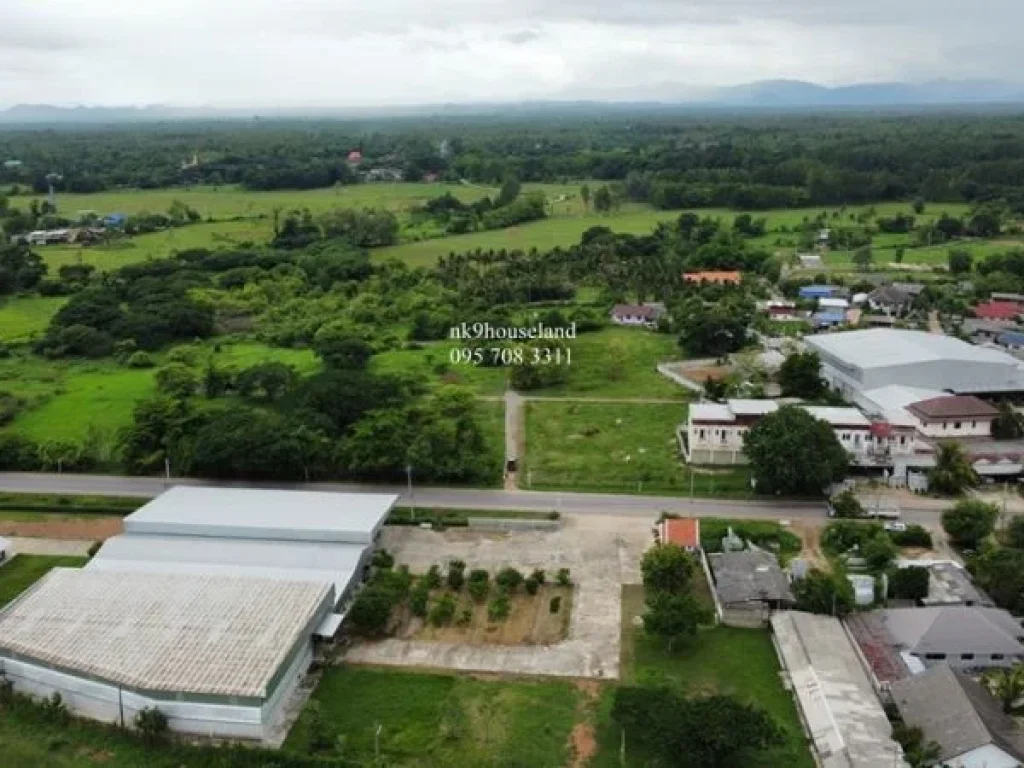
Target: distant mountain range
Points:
(761, 95)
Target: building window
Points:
(997, 657)
(956, 425)
(701, 434)
(966, 656)
(974, 424)
(935, 656)
(903, 439)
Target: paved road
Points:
(456, 498)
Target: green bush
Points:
(443, 611)
(479, 588)
(152, 725)
(765, 534)
(383, 559)
(843, 535)
(140, 359)
(914, 536)
(418, 600)
(539, 576)
(909, 583)
(465, 617)
(532, 586)
(498, 609)
(456, 574)
(55, 710)
(508, 579)
(433, 577)
(563, 578)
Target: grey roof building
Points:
(949, 584)
(207, 608)
(969, 637)
(836, 700)
(750, 576)
(856, 361)
(959, 715)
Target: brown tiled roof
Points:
(952, 406)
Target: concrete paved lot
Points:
(603, 553)
(59, 547)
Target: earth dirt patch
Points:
(95, 529)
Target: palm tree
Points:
(1007, 685)
(953, 473)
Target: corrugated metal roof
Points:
(331, 562)
(846, 417)
(263, 514)
(711, 412)
(884, 347)
(199, 635)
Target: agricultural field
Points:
(736, 662)
(615, 447)
(443, 720)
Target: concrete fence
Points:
(512, 524)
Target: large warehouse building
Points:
(856, 361)
(207, 607)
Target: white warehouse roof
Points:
(332, 562)
(198, 635)
(883, 347)
(352, 518)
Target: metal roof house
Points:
(749, 585)
(856, 361)
(837, 703)
(960, 716)
(206, 608)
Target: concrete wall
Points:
(958, 428)
(512, 524)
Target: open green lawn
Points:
(69, 400)
(24, 317)
(627, 447)
(491, 416)
(22, 571)
(735, 662)
(445, 720)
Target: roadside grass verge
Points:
(443, 720)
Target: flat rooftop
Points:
(188, 634)
(263, 514)
(884, 347)
(334, 562)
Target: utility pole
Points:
(412, 499)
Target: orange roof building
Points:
(683, 532)
(721, 278)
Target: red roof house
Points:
(998, 310)
(355, 157)
(683, 532)
(721, 278)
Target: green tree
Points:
(674, 616)
(716, 388)
(970, 522)
(846, 505)
(909, 583)
(791, 452)
(824, 593)
(509, 192)
(1015, 532)
(863, 258)
(800, 376)
(1008, 423)
(152, 724)
(603, 199)
(177, 380)
(916, 751)
(341, 347)
(879, 552)
(1007, 685)
(704, 732)
(266, 381)
(585, 196)
(667, 568)
(952, 473)
(960, 261)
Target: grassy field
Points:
(25, 570)
(444, 720)
(70, 400)
(736, 662)
(615, 447)
(23, 318)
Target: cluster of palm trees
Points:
(1007, 685)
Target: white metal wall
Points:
(104, 702)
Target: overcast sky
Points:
(385, 52)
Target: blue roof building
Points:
(1011, 339)
(819, 291)
(115, 220)
(827, 319)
